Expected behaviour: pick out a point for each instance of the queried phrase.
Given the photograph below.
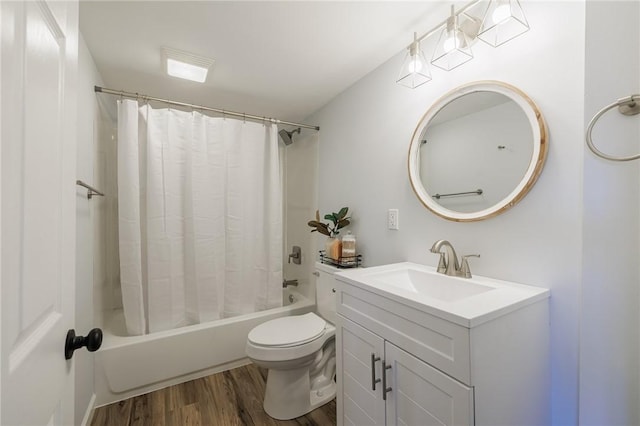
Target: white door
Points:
(37, 195)
(359, 371)
(422, 395)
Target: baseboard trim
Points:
(88, 415)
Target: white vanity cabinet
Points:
(418, 394)
(489, 370)
(358, 367)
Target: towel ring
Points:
(626, 106)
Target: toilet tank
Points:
(325, 291)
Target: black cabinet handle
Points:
(92, 341)
(374, 359)
(385, 389)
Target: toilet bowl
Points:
(301, 366)
(299, 352)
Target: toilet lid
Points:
(288, 331)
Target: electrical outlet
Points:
(392, 219)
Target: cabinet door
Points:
(422, 395)
(357, 401)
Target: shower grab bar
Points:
(455, 194)
(626, 106)
(91, 191)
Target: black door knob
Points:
(92, 341)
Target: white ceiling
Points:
(282, 59)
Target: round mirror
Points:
(477, 151)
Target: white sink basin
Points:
(437, 286)
(466, 301)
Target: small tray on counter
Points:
(341, 262)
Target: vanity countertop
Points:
(465, 301)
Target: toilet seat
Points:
(293, 337)
(288, 331)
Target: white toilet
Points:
(300, 353)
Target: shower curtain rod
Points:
(131, 95)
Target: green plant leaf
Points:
(343, 223)
(343, 212)
(324, 231)
(337, 221)
(332, 217)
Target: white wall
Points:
(106, 259)
(90, 273)
(609, 352)
(300, 206)
(364, 140)
(83, 362)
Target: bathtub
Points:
(127, 366)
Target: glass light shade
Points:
(415, 68)
(453, 48)
(503, 21)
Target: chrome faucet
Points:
(448, 263)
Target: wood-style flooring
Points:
(229, 398)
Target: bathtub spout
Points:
(286, 283)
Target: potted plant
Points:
(337, 221)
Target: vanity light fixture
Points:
(415, 68)
(503, 21)
(453, 48)
(185, 65)
(495, 24)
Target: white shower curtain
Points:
(200, 217)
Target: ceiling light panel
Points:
(181, 64)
